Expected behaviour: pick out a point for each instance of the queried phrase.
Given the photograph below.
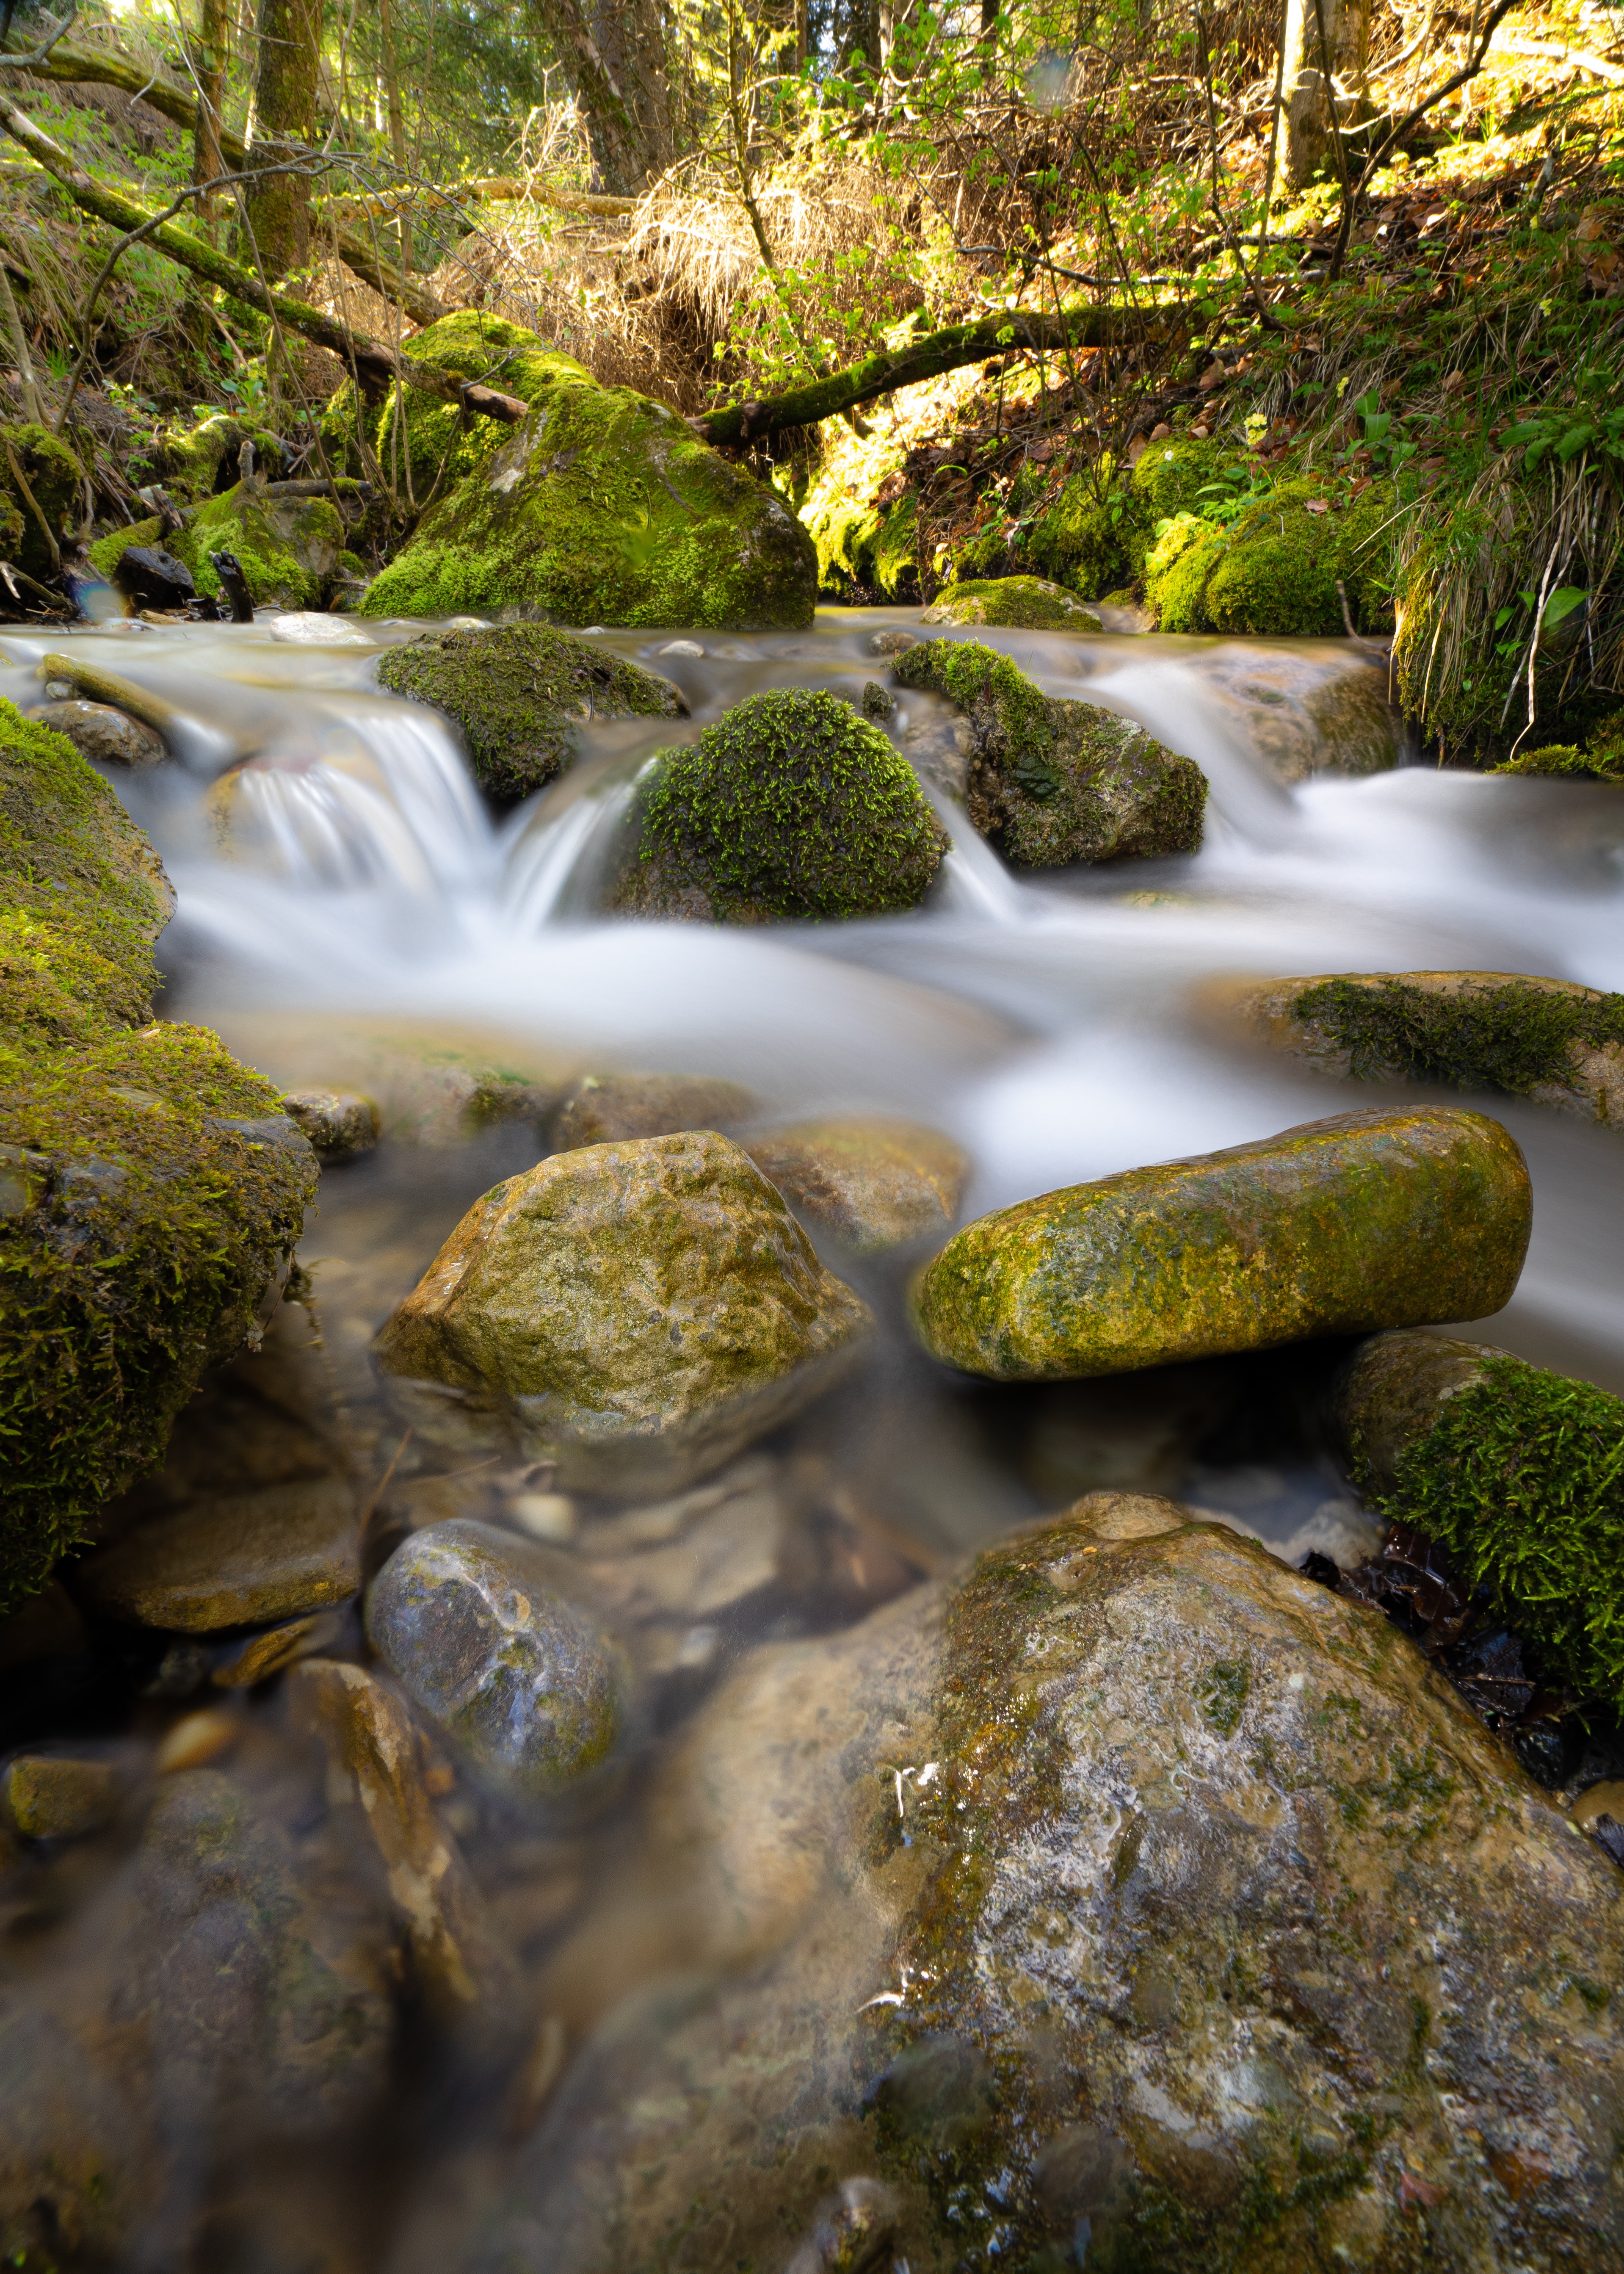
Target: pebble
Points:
(239, 1561)
(100, 733)
(310, 628)
(894, 642)
(52, 1798)
(243, 1664)
(681, 647)
(339, 1123)
(195, 1740)
(545, 1515)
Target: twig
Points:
(9, 62)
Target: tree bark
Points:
(1308, 109)
(277, 211)
(615, 61)
(207, 160)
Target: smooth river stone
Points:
(603, 1108)
(873, 1183)
(236, 1562)
(463, 1614)
(53, 1798)
(1344, 1226)
(643, 1311)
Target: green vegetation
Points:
(145, 1188)
(1509, 1036)
(791, 805)
(289, 550)
(1602, 758)
(1522, 1479)
(1021, 603)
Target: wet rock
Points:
(1306, 713)
(877, 702)
(147, 576)
(1050, 782)
(107, 737)
(338, 1125)
(1342, 1226)
(243, 1665)
(601, 508)
(1256, 1964)
(874, 1183)
(723, 1554)
(642, 1311)
(791, 806)
(52, 1798)
(603, 1108)
(893, 641)
(313, 628)
(464, 1616)
(237, 1561)
(519, 692)
(1023, 603)
(196, 1740)
(1553, 1040)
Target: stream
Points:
(1051, 1024)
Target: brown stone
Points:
(51, 1798)
(873, 1183)
(604, 1107)
(107, 737)
(234, 1562)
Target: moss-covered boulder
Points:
(149, 1184)
(288, 548)
(1092, 539)
(1365, 1221)
(863, 515)
(1600, 759)
(602, 506)
(1023, 603)
(637, 1312)
(1274, 568)
(790, 806)
(1553, 1040)
(1130, 1903)
(518, 692)
(41, 481)
(193, 458)
(1515, 1473)
(1050, 782)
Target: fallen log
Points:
(1007, 331)
(375, 365)
(495, 189)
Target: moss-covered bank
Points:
(288, 548)
(149, 1184)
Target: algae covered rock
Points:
(1517, 1473)
(518, 691)
(873, 1182)
(602, 1107)
(1026, 603)
(1274, 568)
(42, 509)
(1553, 1040)
(639, 1310)
(238, 1561)
(464, 1616)
(1365, 1221)
(791, 805)
(1132, 1902)
(288, 548)
(1052, 781)
(602, 506)
(149, 1183)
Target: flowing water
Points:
(1051, 1024)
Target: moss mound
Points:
(1020, 603)
(517, 692)
(148, 1183)
(1510, 1037)
(1089, 541)
(791, 805)
(1602, 758)
(288, 548)
(1053, 782)
(861, 516)
(52, 485)
(1274, 572)
(1522, 1479)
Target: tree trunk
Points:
(1309, 105)
(615, 59)
(207, 161)
(397, 117)
(277, 211)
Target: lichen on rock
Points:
(149, 1184)
(791, 806)
(1051, 781)
(1023, 603)
(518, 692)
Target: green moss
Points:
(791, 805)
(862, 521)
(435, 442)
(57, 481)
(1089, 537)
(289, 549)
(108, 552)
(136, 1227)
(1602, 759)
(1023, 603)
(1274, 572)
(190, 458)
(1510, 1036)
(1521, 1480)
(1171, 476)
(518, 692)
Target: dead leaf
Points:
(1316, 505)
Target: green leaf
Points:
(1561, 605)
(1574, 440)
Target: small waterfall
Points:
(557, 867)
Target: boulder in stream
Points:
(1050, 782)
(149, 1184)
(241, 1560)
(601, 508)
(1023, 603)
(1553, 1040)
(638, 1311)
(288, 549)
(517, 692)
(104, 735)
(1342, 1226)
(339, 1125)
(603, 1107)
(1133, 1901)
(874, 1183)
(791, 806)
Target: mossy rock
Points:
(518, 692)
(864, 547)
(1050, 782)
(289, 548)
(601, 508)
(56, 479)
(1601, 758)
(1273, 572)
(194, 461)
(1086, 541)
(1516, 1472)
(790, 806)
(1343, 1226)
(1021, 603)
(1171, 476)
(149, 1184)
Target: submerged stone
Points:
(874, 1183)
(464, 1616)
(1342, 1226)
(518, 692)
(1049, 781)
(639, 1311)
(107, 737)
(51, 1797)
(1133, 1900)
(604, 1107)
(791, 805)
(338, 1125)
(1025, 603)
(238, 1561)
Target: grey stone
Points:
(107, 737)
